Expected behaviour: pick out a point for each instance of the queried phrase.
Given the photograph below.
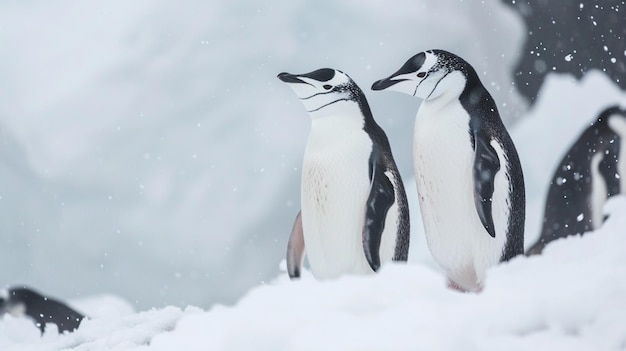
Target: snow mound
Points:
(572, 297)
(103, 333)
(104, 305)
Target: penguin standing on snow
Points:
(21, 301)
(354, 212)
(468, 173)
(585, 178)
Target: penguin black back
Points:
(41, 309)
(485, 119)
(381, 146)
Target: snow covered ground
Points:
(573, 297)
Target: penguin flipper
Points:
(380, 199)
(486, 166)
(295, 248)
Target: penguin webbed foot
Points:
(454, 286)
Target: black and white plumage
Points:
(591, 171)
(354, 212)
(19, 301)
(468, 174)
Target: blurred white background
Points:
(148, 150)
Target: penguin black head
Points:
(428, 75)
(324, 90)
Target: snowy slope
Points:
(149, 150)
(573, 297)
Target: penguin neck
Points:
(447, 91)
(336, 112)
(336, 126)
(477, 100)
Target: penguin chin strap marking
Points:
(316, 94)
(418, 84)
(437, 84)
(422, 81)
(330, 103)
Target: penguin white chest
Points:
(335, 187)
(443, 162)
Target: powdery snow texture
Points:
(573, 297)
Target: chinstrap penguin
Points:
(23, 301)
(589, 173)
(468, 174)
(354, 211)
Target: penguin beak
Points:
(290, 78)
(386, 83)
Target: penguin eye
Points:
(421, 75)
(327, 86)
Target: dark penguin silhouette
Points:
(42, 309)
(586, 177)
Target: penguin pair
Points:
(23, 301)
(588, 174)
(354, 214)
